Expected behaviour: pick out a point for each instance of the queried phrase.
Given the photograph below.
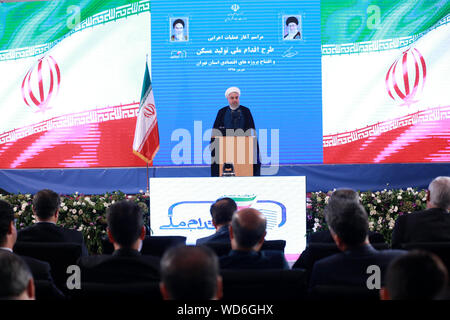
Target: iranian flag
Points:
(146, 135)
(385, 82)
(70, 70)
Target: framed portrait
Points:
(179, 29)
(292, 27)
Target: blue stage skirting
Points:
(361, 177)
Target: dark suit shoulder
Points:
(40, 269)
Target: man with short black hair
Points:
(190, 273)
(247, 232)
(46, 211)
(430, 225)
(348, 224)
(126, 231)
(8, 235)
(16, 281)
(221, 213)
(417, 275)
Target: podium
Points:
(240, 151)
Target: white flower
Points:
(74, 211)
(20, 213)
(399, 197)
(378, 201)
(15, 209)
(395, 209)
(391, 224)
(94, 211)
(24, 205)
(373, 212)
(80, 211)
(65, 208)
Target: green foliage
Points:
(383, 208)
(87, 213)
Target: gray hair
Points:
(14, 275)
(440, 192)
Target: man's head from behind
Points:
(16, 281)
(439, 193)
(248, 229)
(125, 225)
(222, 211)
(8, 233)
(46, 205)
(348, 223)
(190, 273)
(345, 194)
(415, 275)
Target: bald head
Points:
(248, 229)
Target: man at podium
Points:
(234, 116)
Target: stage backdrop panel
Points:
(180, 206)
(385, 79)
(74, 74)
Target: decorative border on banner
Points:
(439, 113)
(72, 120)
(100, 18)
(378, 45)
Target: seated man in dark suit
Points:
(247, 232)
(221, 213)
(8, 235)
(348, 224)
(46, 210)
(417, 275)
(16, 281)
(126, 231)
(306, 261)
(190, 273)
(430, 225)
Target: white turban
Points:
(231, 90)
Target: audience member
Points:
(325, 236)
(348, 224)
(417, 275)
(430, 225)
(307, 257)
(190, 273)
(221, 213)
(46, 210)
(126, 231)
(247, 232)
(16, 281)
(8, 235)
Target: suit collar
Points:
(362, 249)
(126, 252)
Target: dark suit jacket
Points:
(49, 232)
(123, 266)
(350, 267)
(306, 259)
(431, 225)
(264, 259)
(325, 237)
(221, 235)
(41, 271)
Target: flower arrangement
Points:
(87, 213)
(383, 208)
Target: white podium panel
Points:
(180, 206)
